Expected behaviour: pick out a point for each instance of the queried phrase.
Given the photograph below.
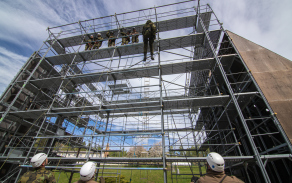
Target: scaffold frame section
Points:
(92, 105)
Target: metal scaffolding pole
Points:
(27, 80)
(275, 120)
(161, 103)
(202, 98)
(254, 148)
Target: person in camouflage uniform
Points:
(135, 36)
(89, 42)
(149, 35)
(111, 38)
(98, 41)
(87, 172)
(126, 37)
(39, 174)
(215, 171)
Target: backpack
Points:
(149, 30)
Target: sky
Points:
(24, 22)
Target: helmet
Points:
(99, 34)
(91, 35)
(215, 161)
(111, 32)
(134, 28)
(87, 171)
(148, 22)
(38, 159)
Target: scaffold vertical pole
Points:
(27, 80)
(161, 103)
(275, 120)
(235, 102)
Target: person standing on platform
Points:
(215, 171)
(89, 42)
(135, 36)
(87, 172)
(111, 38)
(126, 37)
(39, 174)
(98, 41)
(149, 35)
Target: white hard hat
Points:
(38, 159)
(99, 34)
(216, 162)
(87, 171)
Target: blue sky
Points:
(24, 22)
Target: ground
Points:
(140, 176)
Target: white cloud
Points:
(264, 22)
(10, 63)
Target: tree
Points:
(181, 153)
(192, 153)
(156, 150)
(170, 150)
(136, 151)
(123, 153)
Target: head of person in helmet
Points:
(215, 162)
(87, 171)
(148, 22)
(39, 160)
(98, 34)
(129, 31)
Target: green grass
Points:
(63, 177)
(138, 176)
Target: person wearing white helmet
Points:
(135, 36)
(89, 42)
(39, 174)
(98, 41)
(87, 172)
(215, 171)
(111, 38)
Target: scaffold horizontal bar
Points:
(165, 25)
(139, 72)
(159, 159)
(125, 13)
(131, 49)
(166, 130)
(169, 104)
(106, 168)
(109, 134)
(135, 106)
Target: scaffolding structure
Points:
(197, 96)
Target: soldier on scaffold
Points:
(111, 38)
(135, 36)
(126, 37)
(149, 35)
(98, 41)
(89, 42)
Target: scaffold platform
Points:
(202, 93)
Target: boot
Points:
(152, 58)
(144, 56)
